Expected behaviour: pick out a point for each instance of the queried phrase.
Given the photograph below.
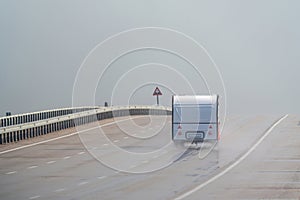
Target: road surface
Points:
(135, 159)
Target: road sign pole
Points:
(156, 93)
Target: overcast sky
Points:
(255, 44)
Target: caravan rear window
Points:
(194, 114)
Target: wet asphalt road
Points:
(135, 159)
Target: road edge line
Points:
(64, 136)
(269, 130)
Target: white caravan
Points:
(195, 118)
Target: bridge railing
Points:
(36, 116)
(36, 128)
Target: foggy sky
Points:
(255, 44)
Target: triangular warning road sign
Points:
(157, 91)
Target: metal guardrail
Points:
(32, 129)
(35, 116)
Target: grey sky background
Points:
(256, 45)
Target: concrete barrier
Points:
(45, 122)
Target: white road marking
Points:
(35, 197)
(80, 153)
(115, 141)
(230, 167)
(105, 144)
(12, 172)
(32, 167)
(134, 134)
(125, 137)
(67, 157)
(156, 156)
(82, 183)
(101, 177)
(65, 136)
(145, 161)
(60, 190)
(117, 172)
(51, 162)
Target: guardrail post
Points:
(21, 134)
(18, 135)
(7, 138)
(11, 139)
(46, 129)
(4, 138)
(31, 132)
